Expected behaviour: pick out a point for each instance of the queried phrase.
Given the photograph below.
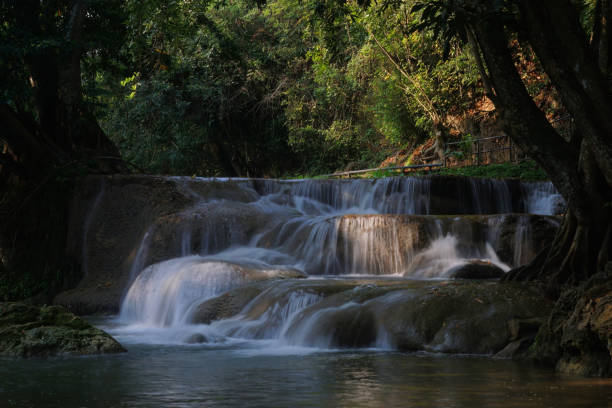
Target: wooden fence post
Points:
(511, 150)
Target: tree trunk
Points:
(440, 143)
(561, 45)
(582, 244)
(486, 82)
(603, 43)
(522, 119)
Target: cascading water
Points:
(326, 230)
(542, 198)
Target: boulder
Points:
(577, 338)
(459, 317)
(449, 317)
(476, 269)
(196, 338)
(225, 306)
(28, 331)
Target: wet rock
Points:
(476, 269)
(522, 336)
(577, 338)
(524, 328)
(522, 236)
(467, 317)
(27, 331)
(196, 338)
(515, 349)
(111, 216)
(352, 329)
(226, 305)
(209, 228)
(466, 195)
(454, 317)
(450, 317)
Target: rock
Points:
(458, 317)
(522, 336)
(450, 317)
(196, 338)
(577, 338)
(352, 329)
(520, 328)
(515, 349)
(226, 305)
(477, 269)
(111, 216)
(27, 331)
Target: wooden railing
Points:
(402, 169)
(476, 151)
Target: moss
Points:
(27, 330)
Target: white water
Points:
(543, 198)
(163, 293)
(443, 255)
(354, 227)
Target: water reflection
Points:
(181, 376)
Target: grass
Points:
(526, 171)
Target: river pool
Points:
(264, 374)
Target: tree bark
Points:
(486, 82)
(520, 116)
(560, 43)
(582, 244)
(66, 129)
(603, 43)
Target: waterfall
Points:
(162, 293)
(543, 198)
(237, 232)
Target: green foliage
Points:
(462, 150)
(249, 88)
(238, 88)
(207, 101)
(34, 31)
(382, 173)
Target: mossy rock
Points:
(27, 331)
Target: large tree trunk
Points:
(65, 126)
(602, 44)
(582, 245)
(40, 154)
(561, 45)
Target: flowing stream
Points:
(320, 293)
(387, 228)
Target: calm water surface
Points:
(262, 374)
